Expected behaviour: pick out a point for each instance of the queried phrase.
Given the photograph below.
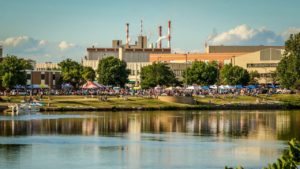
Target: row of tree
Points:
(111, 71)
(200, 73)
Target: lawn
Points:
(86, 102)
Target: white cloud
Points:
(292, 30)
(63, 45)
(246, 35)
(41, 50)
(42, 42)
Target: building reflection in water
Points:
(257, 125)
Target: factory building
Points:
(221, 58)
(238, 49)
(46, 66)
(137, 52)
(136, 55)
(264, 61)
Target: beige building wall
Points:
(47, 66)
(135, 70)
(179, 68)
(264, 62)
(90, 63)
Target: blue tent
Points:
(238, 86)
(251, 87)
(205, 87)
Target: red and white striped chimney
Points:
(127, 34)
(169, 34)
(160, 37)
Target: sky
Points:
(53, 30)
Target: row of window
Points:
(42, 76)
(262, 65)
(266, 75)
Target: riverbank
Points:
(83, 103)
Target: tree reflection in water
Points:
(259, 125)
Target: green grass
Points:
(85, 102)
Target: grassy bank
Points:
(61, 103)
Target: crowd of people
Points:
(154, 92)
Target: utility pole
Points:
(186, 72)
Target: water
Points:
(168, 139)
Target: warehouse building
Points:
(264, 62)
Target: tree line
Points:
(112, 71)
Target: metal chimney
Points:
(160, 37)
(169, 34)
(127, 34)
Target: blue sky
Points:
(56, 29)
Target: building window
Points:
(266, 75)
(28, 76)
(261, 65)
(53, 76)
(43, 76)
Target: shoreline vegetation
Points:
(93, 103)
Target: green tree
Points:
(288, 70)
(157, 74)
(88, 73)
(201, 73)
(112, 71)
(234, 75)
(12, 71)
(71, 72)
(254, 76)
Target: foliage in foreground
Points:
(289, 160)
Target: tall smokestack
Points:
(160, 36)
(169, 34)
(127, 34)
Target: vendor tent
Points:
(91, 85)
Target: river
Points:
(154, 140)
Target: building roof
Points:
(238, 49)
(193, 57)
(130, 49)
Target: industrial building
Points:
(46, 66)
(136, 55)
(238, 49)
(263, 61)
(222, 58)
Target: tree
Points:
(288, 70)
(254, 76)
(71, 72)
(12, 71)
(112, 71)
(157, 74)
(234, 75)
(201, 73)
(88, 73)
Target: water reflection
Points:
(279, 125)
